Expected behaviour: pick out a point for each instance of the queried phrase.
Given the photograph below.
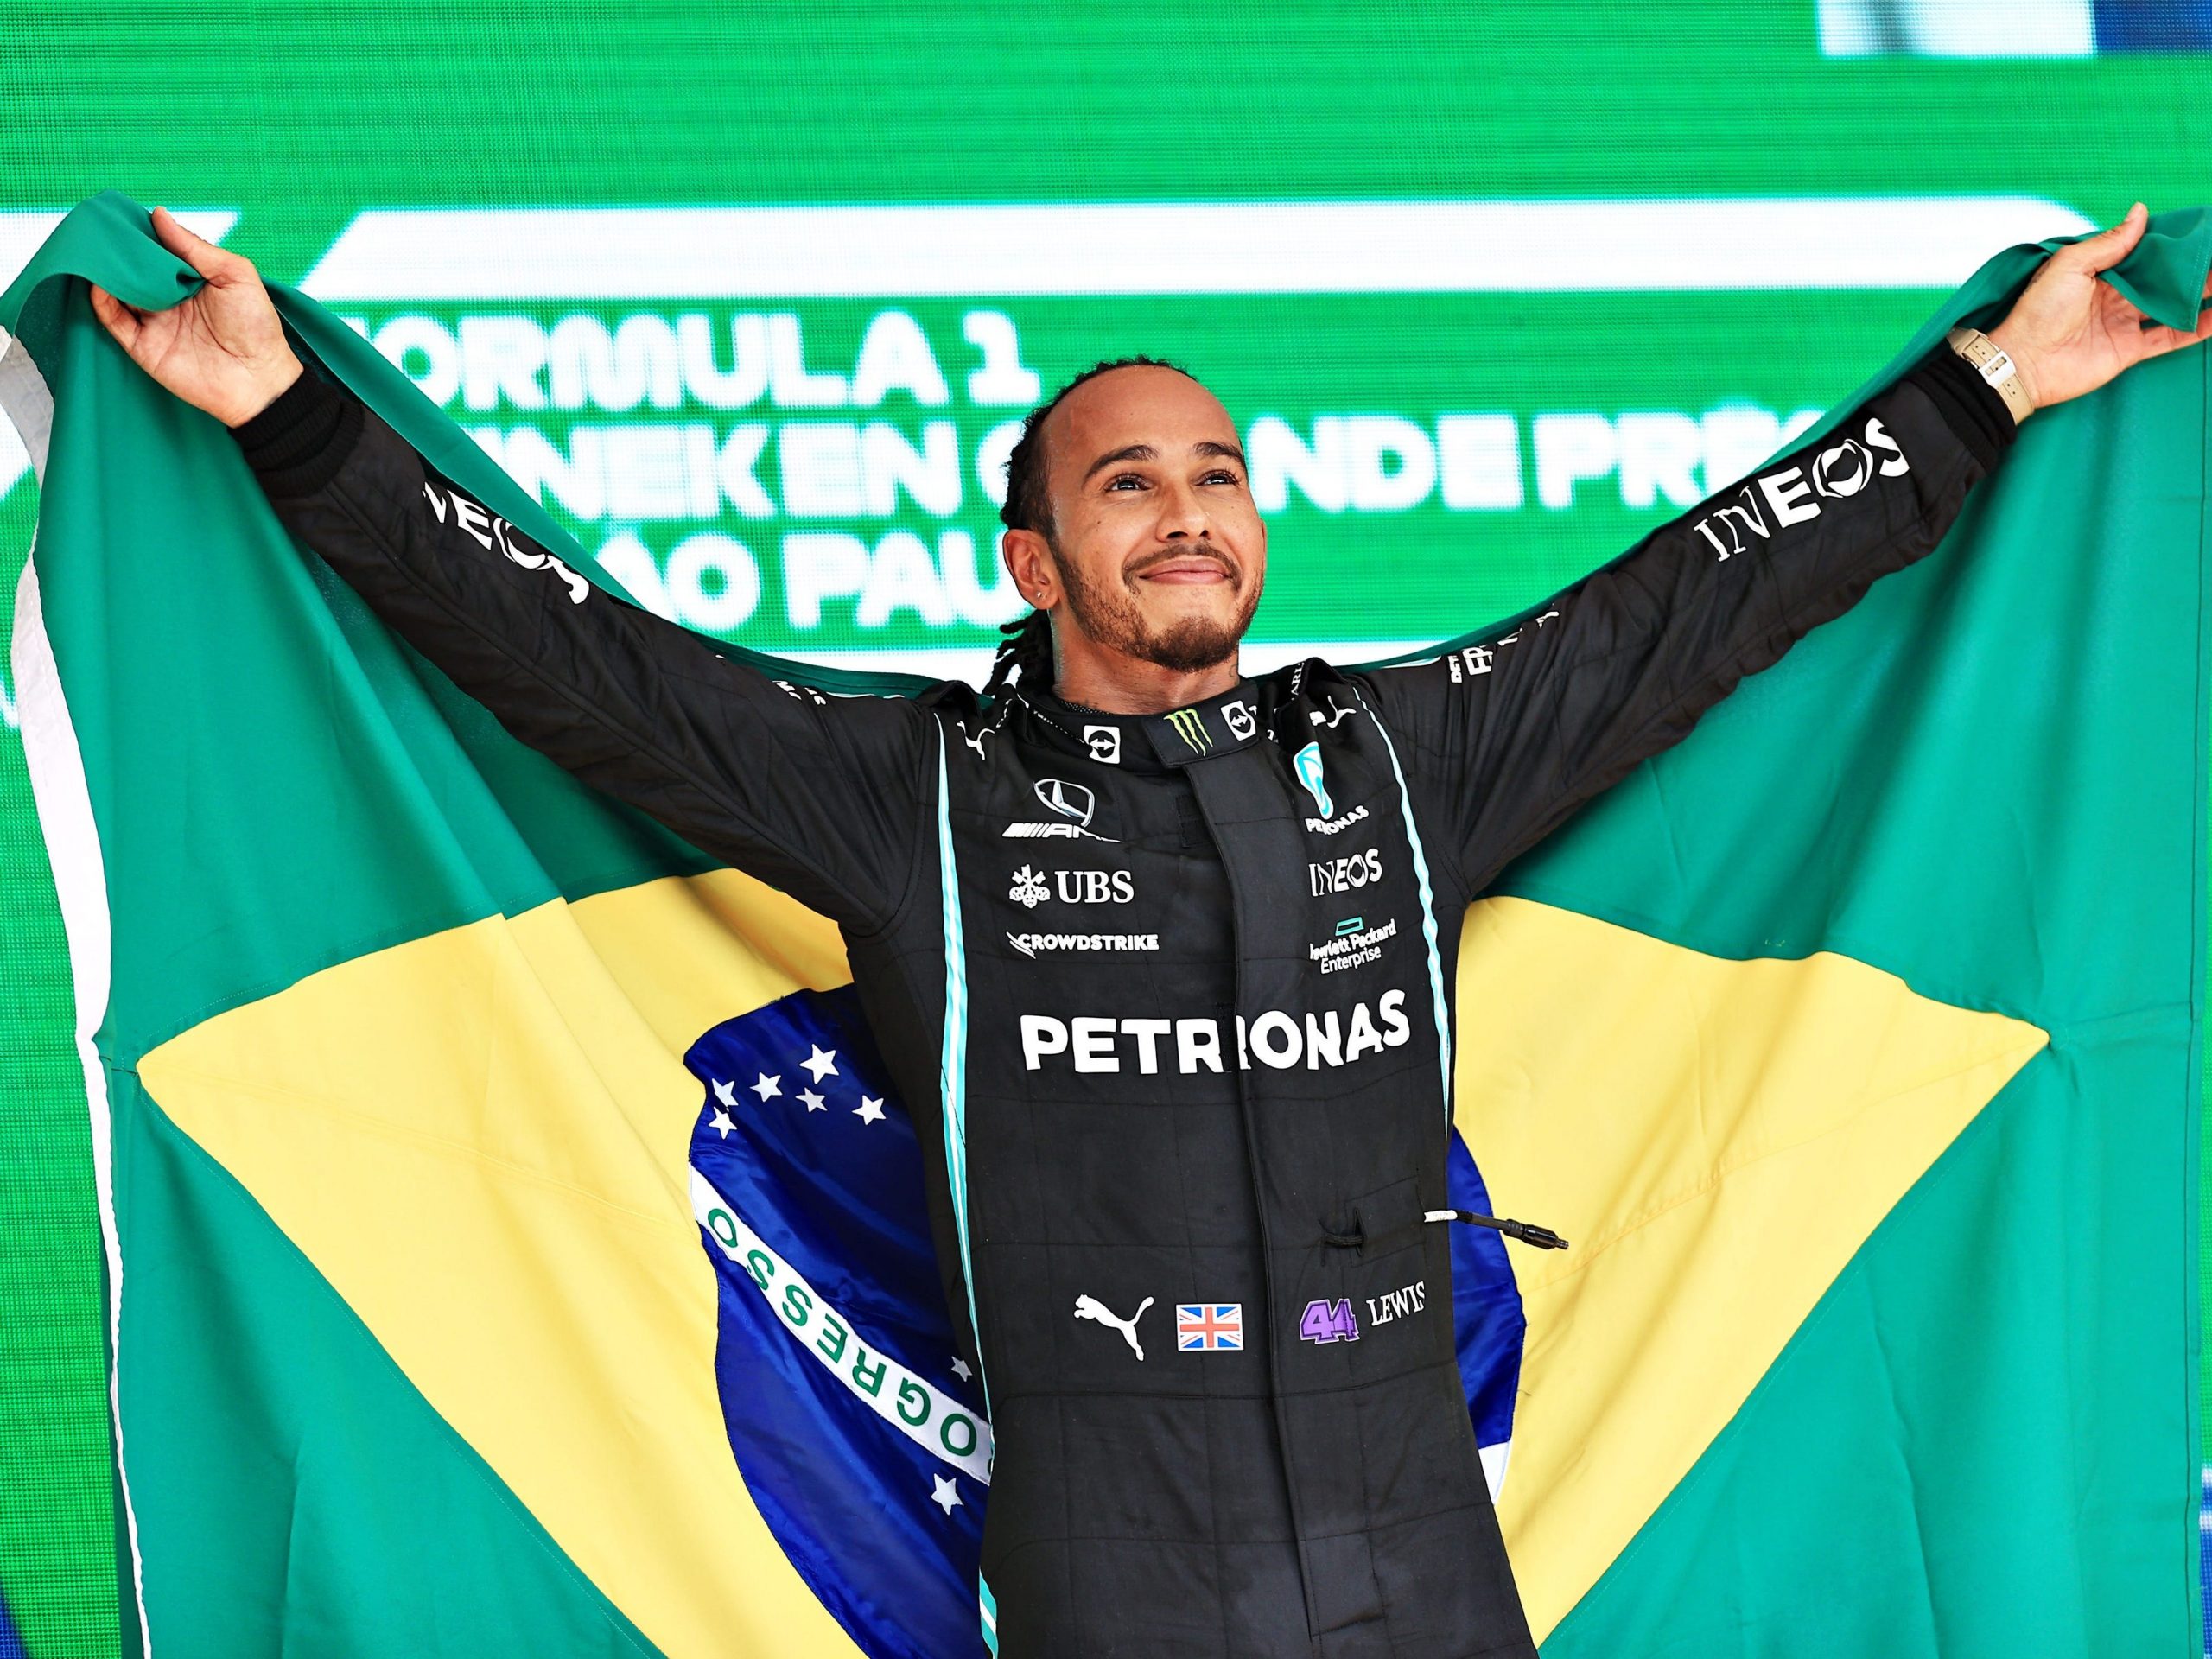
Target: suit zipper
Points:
(1275, 1399)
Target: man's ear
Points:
(1028, 558)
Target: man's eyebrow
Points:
(1145, 452)
(1128, 452)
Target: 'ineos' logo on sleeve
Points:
(488, 531)
(1775, 500)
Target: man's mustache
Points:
(1152, 562)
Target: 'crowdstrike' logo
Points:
(1030, 944)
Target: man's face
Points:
(1156, 539)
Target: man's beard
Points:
(1110, 616)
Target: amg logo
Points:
(1843, 469)
(1050, 832)
(1276, 1039)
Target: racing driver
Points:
(1198, 1109)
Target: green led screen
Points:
(752, 297)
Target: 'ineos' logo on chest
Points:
(1342, 874)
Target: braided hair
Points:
(1025, 653)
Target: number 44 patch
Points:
(1328, 1321)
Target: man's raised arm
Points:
(821, 796)
(1510, 736)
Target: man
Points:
(1096, 918)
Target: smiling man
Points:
(1178, 1133)
(1168, 586)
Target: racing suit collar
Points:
(1218, 726)
(1221, 725)
(1178, 737)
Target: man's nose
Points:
(1182, 514)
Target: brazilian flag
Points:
(514, 1248)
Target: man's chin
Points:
(1192, 645)
(1187, 633)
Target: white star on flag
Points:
(725, 1092)
(870, 1110)
(823, 1066)
(768, 1088)
(960, 1369)
(814, 1101)
(721, 1120)
(946, 1495)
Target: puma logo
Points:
(1090, 1308)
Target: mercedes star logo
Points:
(1069, 800)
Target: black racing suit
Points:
(1105, 958)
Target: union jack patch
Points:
(1201, 1325)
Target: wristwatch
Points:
(1988, 359)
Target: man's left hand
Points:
(2068, 332)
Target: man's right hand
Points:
(224, 349)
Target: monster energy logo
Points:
(1191, 728)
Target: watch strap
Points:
(1989, 361)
